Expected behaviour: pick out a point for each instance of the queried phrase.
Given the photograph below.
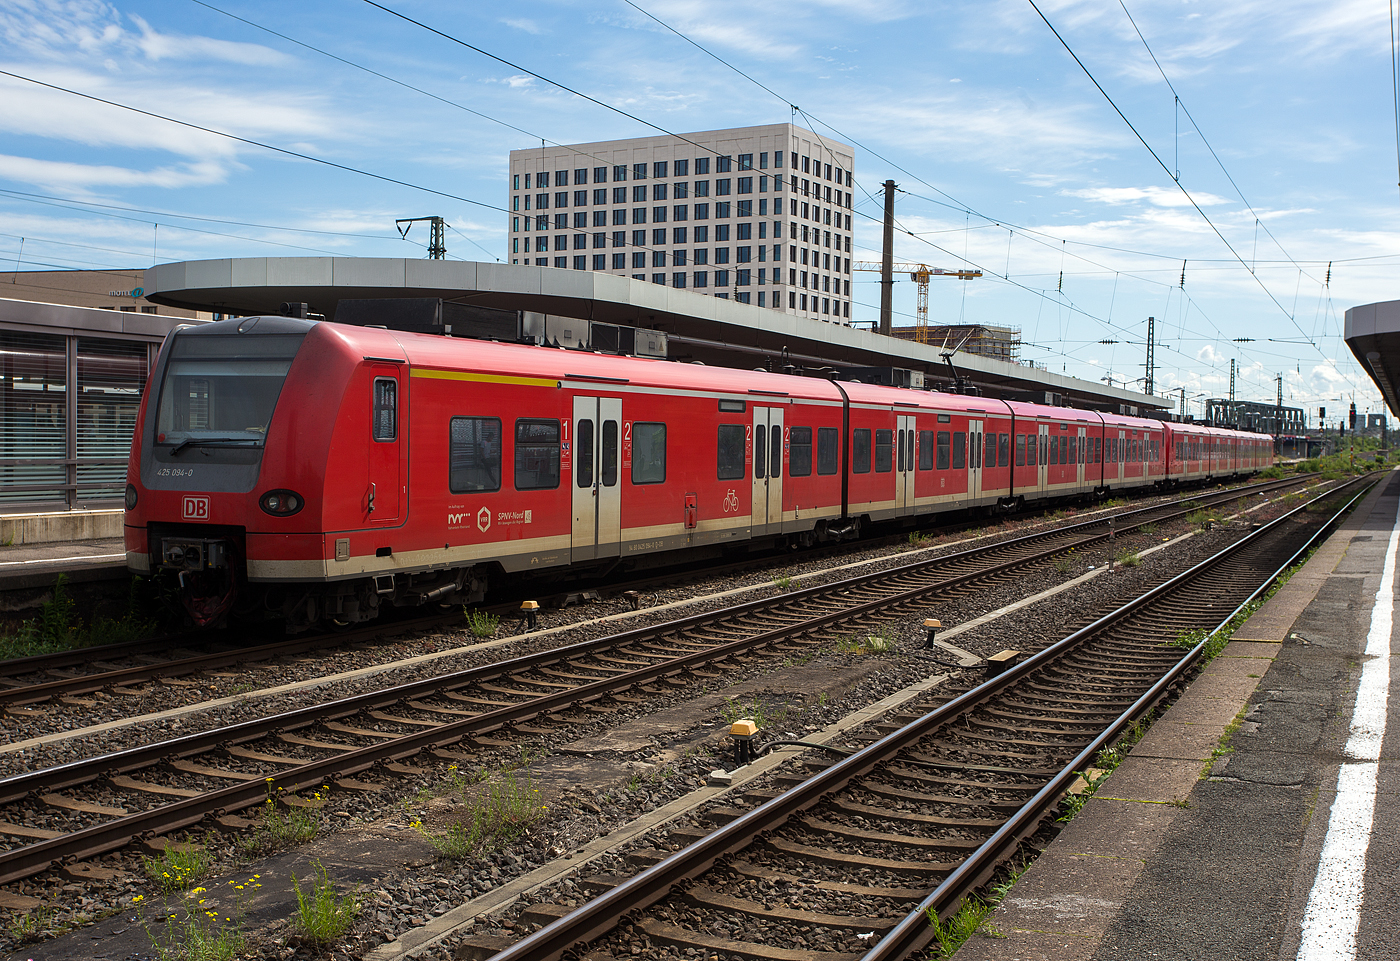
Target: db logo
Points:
(196, 508)
(483, 520)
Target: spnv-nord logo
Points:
(483, 520)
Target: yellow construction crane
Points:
(920, 273)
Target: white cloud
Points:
(1156, 196)
(529, 26)
(62, 175)
(1208, 355)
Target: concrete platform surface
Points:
(1207, 841)
(48, 527)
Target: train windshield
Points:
(220, 391)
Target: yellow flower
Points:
(139, 897)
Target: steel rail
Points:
(597, 917)
(30, 859)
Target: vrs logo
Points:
(195, 508)
(483, 520)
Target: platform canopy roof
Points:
(1372, 332)
(699, 326)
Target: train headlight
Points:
(281, 503)
(130, 496)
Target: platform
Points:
(1226, 833)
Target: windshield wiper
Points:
(214, 442)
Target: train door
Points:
(597, 494)
(974, 459)
(1082, 455)
(1042, 439)
(768, 443)
(905, 463)
(384, 498)
(1121, 460)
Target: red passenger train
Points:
(315, 471)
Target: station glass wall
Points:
(58, 450)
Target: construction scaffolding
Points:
(998, 343)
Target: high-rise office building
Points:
(759, 214)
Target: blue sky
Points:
(1009, 158)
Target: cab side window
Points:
(386, 409)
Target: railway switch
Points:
(1000, 661)
(932, 626)
(529, 613)
(743, 734)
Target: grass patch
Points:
(177, 868)
(1063, 563)
(497, 811)
(786, 582)
(26, 927)
(917, 539)
(58, 626)
(735, 709)
(847, 645)
(278, 828)
(323, 917)
(1128, 558)
(881, 642)
(481, 623)
(960, 926)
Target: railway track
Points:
(43, 678)
(87, 807)
(848, 864)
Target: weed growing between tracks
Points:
(177, 867)
(493, 811)
(57, 626)
(323, 916)
(277, 829)
(481, 623)
(200, 935)
(27, 926)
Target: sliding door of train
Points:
(387, 490)
(597, 494)
(1081, 455)
(974, 459)
(1042, 472)
(905, 464)
(767, 470)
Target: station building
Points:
(758, 214)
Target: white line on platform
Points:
(64, 560)
(1333, 915)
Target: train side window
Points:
(1054, 449)
(648, 453)
(943, 445)
(537, 455)
(826, 450)
(926, 449)
(730, 453)
(583, 452)
(1073, 450)
(1098, 450)
(800, 455)
(1020, 450)
(884, 451)
(990, 460)
(474, 454)
(775, 452)
(860, 451)
(609, 453)
(386, 409)
(959, 450)
(1003, 450)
